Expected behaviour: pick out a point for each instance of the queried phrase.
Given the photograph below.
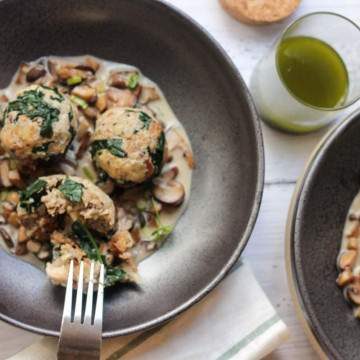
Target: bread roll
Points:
(259, 11)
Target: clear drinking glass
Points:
(277, 104)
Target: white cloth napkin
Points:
(235, 321)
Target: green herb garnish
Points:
(31, 104)
(89, 173)
(74, 80)
(72, 190)
(145, 119)
(133, 81)
(88, 244)
(114, 146)
(87, 241)
(161, 233)
(79, 102)
(113, 275)
(31, 196)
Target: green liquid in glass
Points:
(312, 71)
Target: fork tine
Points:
(100, 298)
(79, 294)
(89, 298)
(68, 294)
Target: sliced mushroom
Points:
(352, 243)
(83, 145)
(22, 235)
(7, 238)
(91, 113)
(89, 64)
(15, 178)
(169, 192)
(353, 229)
(4, 173)
(118, 80)
(21, 76)
(353, 292)
(148, 93)
(13, 219)
(101, 102)
(347, 259)
(35, 72)
(125, 221)
(33, 246)
(170, 174)
(20, 249)
(345, 278)
(51, 65)
(120, 97)
(85, 92)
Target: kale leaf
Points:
(114, 146)
(157, 155)
(31, 104)
(72, 190)
(146, 120)
(86, 241)
(30, 197)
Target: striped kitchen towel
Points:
(235, 321)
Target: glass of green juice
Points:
(310, 74)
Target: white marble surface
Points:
(285, 157)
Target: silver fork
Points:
(81, 336)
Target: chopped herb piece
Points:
(133, 81)
(79, 102)
(30, 197)
(89, 173)
(31, 103)
(74, 80)
(87, 241)
(161, 233)
(112, 145)
(72, 190)
(146, 120)
(113, 275)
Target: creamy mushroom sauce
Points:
(176, 138)
(348, 262)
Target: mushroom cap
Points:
(128, 145)
(170, 192)
(38, 124)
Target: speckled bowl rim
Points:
(312, 328)
(205, 37)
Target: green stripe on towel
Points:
(138, 340)
(249, 338)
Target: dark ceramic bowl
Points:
(316, 219)
(211, 100)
